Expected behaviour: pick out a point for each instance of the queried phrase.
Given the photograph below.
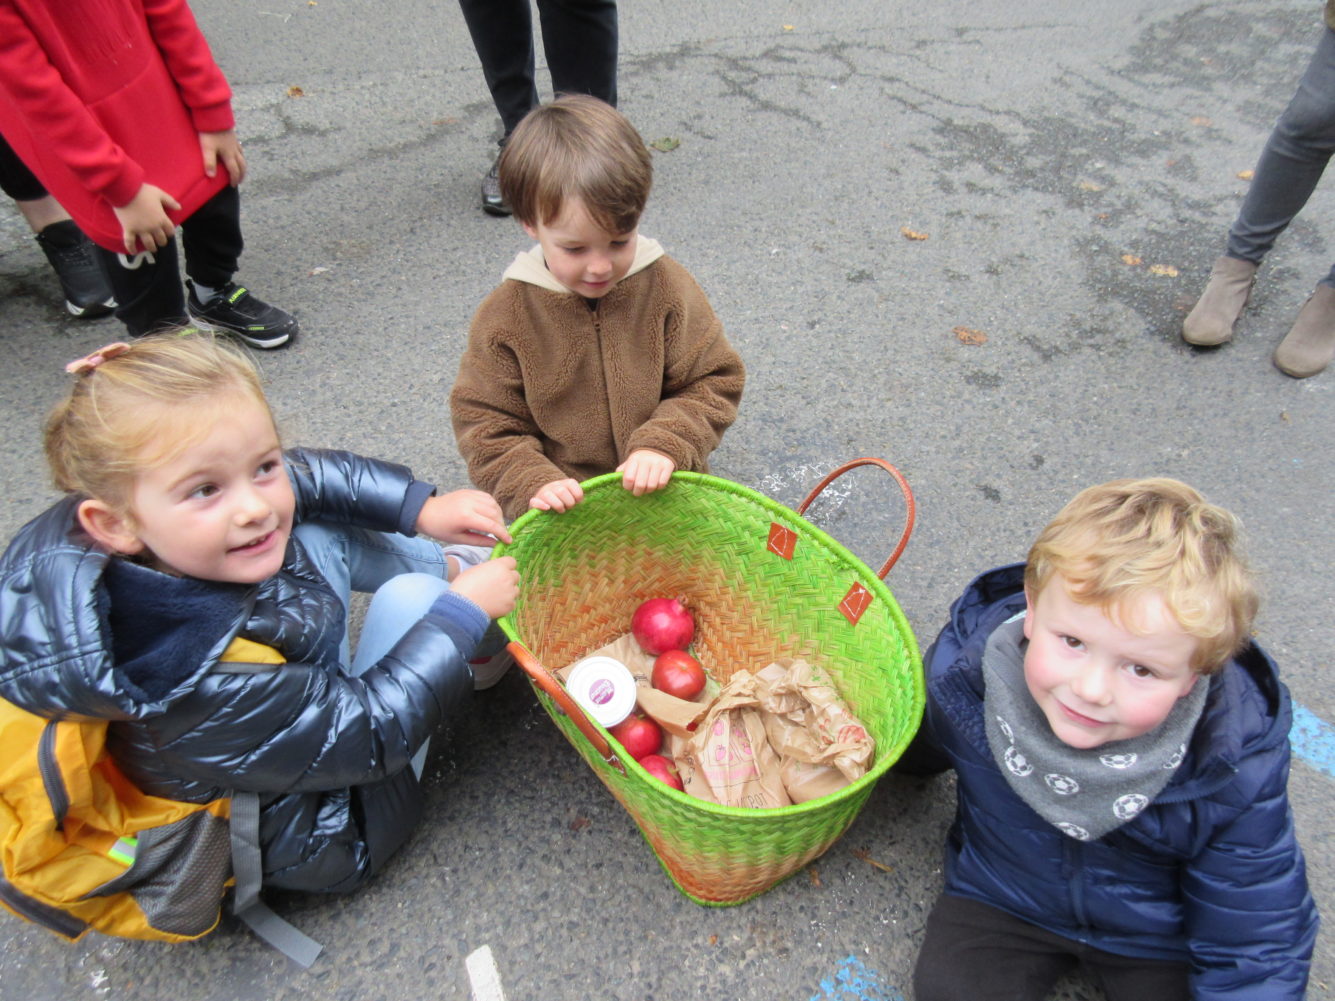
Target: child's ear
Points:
(530, 230)
(1028, 613)
(109, 527)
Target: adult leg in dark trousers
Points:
(70, 253)
(579, 38)
(148, 285)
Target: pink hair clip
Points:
(86, 364)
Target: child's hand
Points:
(224, 146)
(492, 586)
(559, 495)
(645, 471)
(468, 516)
(144, 219)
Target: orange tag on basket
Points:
(782, 540)
(855, 603)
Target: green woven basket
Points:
(762, 583)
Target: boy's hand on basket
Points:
(559, 495)
(468, 516)
(492, 586)
(645, 471)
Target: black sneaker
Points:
(235, 311)
(492, 202)
(83, 281)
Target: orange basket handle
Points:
(549, 683)
(910, 506)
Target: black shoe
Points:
(492, 202)
(84, 283)
(235, 311)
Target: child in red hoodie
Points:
(120, 111)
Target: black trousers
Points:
(16, 180)
(973, 952)
(148, 286)
(579, 38)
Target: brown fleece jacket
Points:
(550, 387)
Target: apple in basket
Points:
(662, 769)
(639, 735)
(679, 674)
(662, 624)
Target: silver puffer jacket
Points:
(328, 753)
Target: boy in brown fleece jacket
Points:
(597, 352)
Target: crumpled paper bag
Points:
(821, 745)
(728, 758)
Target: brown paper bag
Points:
(821, 745)
(728, 759)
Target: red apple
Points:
(679, 674)
(639, 735)
(662, 769)
(662, 624)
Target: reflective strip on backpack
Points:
(124, 850)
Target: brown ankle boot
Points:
(1310, 345)
(1211, 320)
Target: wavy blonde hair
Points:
(143, 407)
(577, 147)
(1128, 539)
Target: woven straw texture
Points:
(584, 572)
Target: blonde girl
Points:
(192, 588)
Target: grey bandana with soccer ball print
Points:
(1083, 793)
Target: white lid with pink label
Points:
(604, 688)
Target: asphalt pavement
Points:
(958, 236)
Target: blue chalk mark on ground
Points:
(1313, 739)
(853, 981)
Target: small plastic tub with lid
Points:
(604, 688)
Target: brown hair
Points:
(142, 407)
(1132, 538)
(576, 147)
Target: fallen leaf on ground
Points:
(967, 335)
(787, 27)
(814, 874)
(317, 271)
(713, 940)
(665, 145)
(912, 234)
(1167, 270)
(865, 856)
(579, 823)
(1089, 186)
(1246, 175)
(1284, 416)
(1130, 259)
(1200, 120)
(295, 91)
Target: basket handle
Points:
(548, 682)
(909, 504)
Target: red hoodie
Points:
(98, 97)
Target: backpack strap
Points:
(244, 656)
(246, 903)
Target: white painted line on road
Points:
(483, 975)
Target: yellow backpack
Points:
(81, 847)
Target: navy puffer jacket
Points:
(1210, 873)
(327, 752)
